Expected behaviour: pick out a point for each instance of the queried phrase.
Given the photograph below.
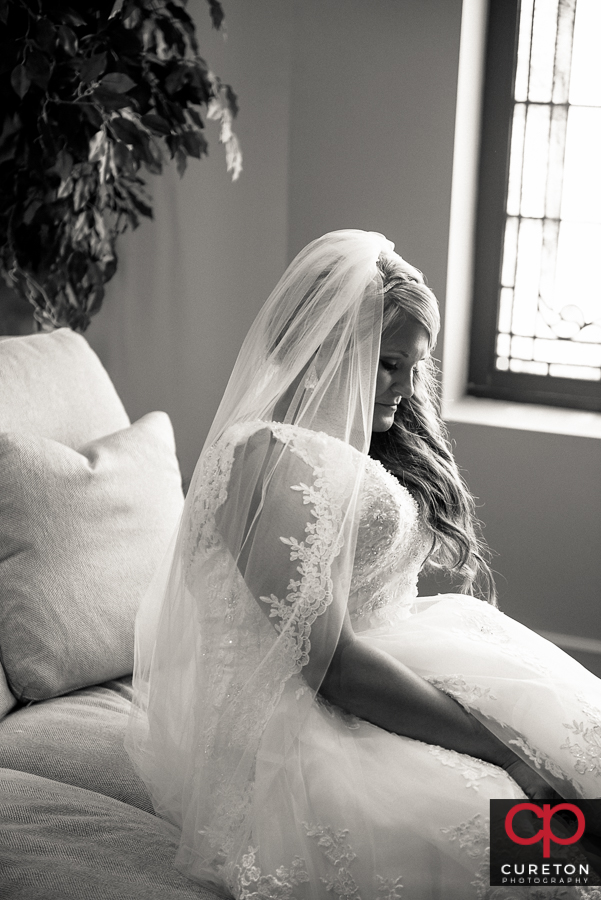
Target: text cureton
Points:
(545, 869)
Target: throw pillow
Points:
(54, 385)
(81, 533)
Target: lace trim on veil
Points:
(310, 596)
(237, 717)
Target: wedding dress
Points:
(280, 795)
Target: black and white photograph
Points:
(300, 450)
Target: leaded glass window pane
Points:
(549, 318)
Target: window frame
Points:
(484, 380)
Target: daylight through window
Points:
(548, 287)
(550, 300)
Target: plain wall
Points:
(372, 118)
(541, 504)
(346, 120)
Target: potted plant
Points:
(90, 96)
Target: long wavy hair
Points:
(417, 450)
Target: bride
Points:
(312, 726)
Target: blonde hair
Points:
(417, 450)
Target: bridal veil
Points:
(255, 589)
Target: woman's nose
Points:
(404, 384)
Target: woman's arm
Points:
(369, 683)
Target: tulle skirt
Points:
(345, 809)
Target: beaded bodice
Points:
(392, 545)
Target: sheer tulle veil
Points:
(229, 623)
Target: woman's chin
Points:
(383, 420)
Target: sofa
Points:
(89, 502)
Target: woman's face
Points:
(403, 347)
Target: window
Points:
(536, 324)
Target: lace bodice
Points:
(392, 545)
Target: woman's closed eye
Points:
(389, 366)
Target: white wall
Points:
(347, 120)
(541, 496)
(372, 116)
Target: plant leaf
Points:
(38, 68)
(194, 143)
(67, 39)
(20, 80)
(141, 205)
(82, 192)
(8, 149)
(126, 131)
(66, 188)
(91, 113)
(176, 79)
(74, 17)
(98, 146)
(217, 13)
(110, 100)
(71, 295)
(181, 162)
(117, 82)
(195, 117)
(231, 99)
(123, 158)
(185, 22)
(156, 124)
(44, 34)
(63, 164)
(132, 16)
(92, 68)
(117, 7)
(31, 210)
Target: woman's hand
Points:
(534, 785)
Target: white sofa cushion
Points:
(61, 842)
(81, 533)
(77, 739)
(53, 385)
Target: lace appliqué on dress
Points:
(250, 884)
(336, 848)
(472, 837)
(336, 712)
(390, 888)
(470, 696)
(390, 550)
(586, 751)
(541, 761)
(473, 770)
(484, 624)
